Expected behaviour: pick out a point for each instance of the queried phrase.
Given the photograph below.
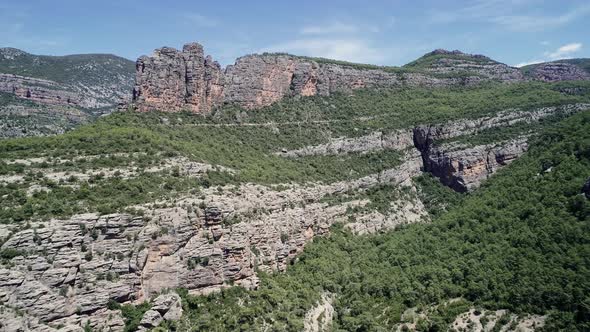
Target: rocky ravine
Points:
(64, 272)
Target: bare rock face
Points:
(558, 71)
(463, 169)
(256, 81)
(173, 80)
(165, 307)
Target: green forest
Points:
(521, 242)
(247, 143)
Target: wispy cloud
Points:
(334, 27)
(562, 52)
(526, 63)
(501, 12)
(536, 22)
(565, 51)
(354, 50)
(201, 20)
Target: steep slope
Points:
(116, 212)
(56, 87)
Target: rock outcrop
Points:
(463, 168)
(558, 71)
(459, 166)
(172, 80)
(166, 307)
(449, 63)
(64, 272)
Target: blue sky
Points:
(386, 32)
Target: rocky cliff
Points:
(172, 80)
(558, 71)
(176, 80)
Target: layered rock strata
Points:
(38, 90)
(558, 71)
(172, 80)
(65, 271)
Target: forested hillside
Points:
(333, 212)
(519, 243)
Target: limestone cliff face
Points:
(463, 167)
(173, 80)
(67, 270)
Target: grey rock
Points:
(169, 306)
(151, 319)
(558, 71)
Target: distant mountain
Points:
(462, 64)
(559, 70)
(40, 93)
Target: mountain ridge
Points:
(89, 84)
(174, 80)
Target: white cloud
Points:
(526, 63)
(535, 23)
(353, 50)
(330, 28)
(500, 12)
(201, 20)
(564, 51)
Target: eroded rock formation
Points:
(172, 80)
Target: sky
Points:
(383, 32)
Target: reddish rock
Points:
(173, 80)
